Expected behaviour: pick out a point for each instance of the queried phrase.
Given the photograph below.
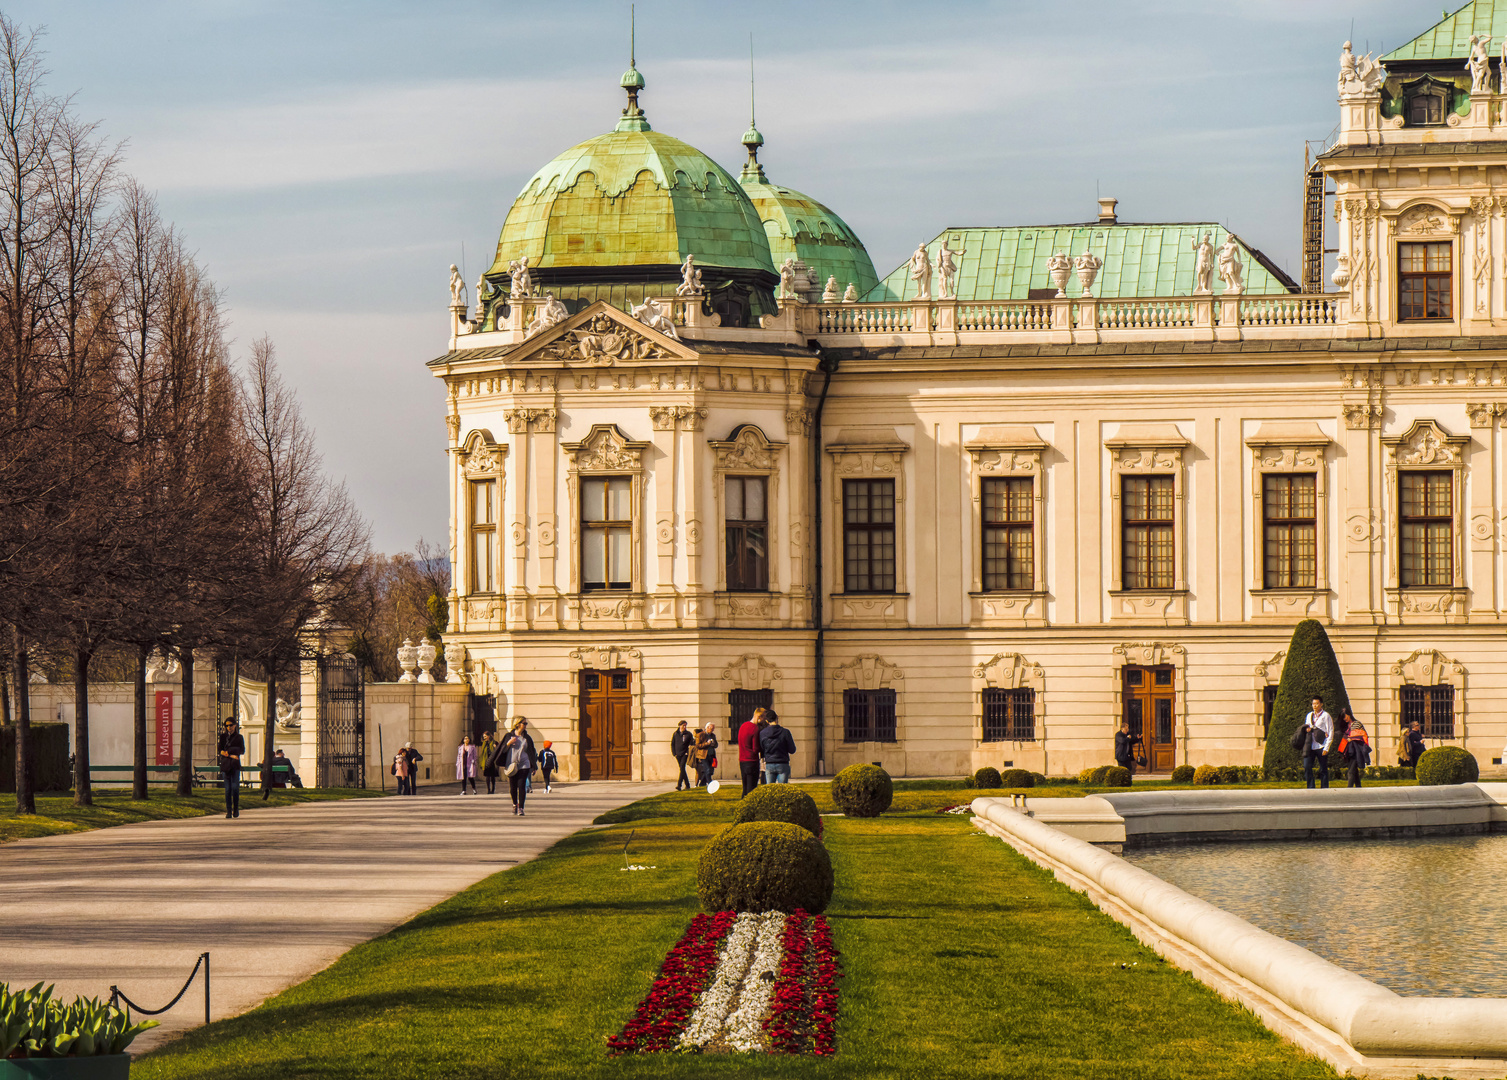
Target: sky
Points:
(328, 161)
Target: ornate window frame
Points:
(1268, 673)
(1430, 667)
(998, 452)
(607, 658)
(1009, 671)
(1424, 219)
(868, 671)
(1148, 450)
(1285, 449)
(1426, 446)
(479, 457)
(746, 451)
(1154, 654)
(606, 451)
(869, 453)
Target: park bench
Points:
(204, 775)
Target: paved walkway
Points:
(274, 895)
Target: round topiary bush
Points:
(1183, 774)
(1229, 774)
(1447, 765)
(1100, 776)
(863, 791)
(1017, 778)
(779, 802)
(1086, 776)
(1116, 776)
(987, 777)
(1038, 779)
(969, 782)
(764, 866)
(1206, 774)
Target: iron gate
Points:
(342, 723)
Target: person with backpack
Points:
(548, 763)
(1318, 728)
(680, 748)
(1355, 747)
(1412, 745)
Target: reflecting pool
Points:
(1424, 916)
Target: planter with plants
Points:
(43, 1039)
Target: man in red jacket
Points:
(748, 751)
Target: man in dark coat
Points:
(680, 748)
(776, 744)
(414, 757)
(232, 750)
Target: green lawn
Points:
(57, 814)
(962, 960)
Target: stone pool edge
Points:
(1348, 1021)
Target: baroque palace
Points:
(1037, 480)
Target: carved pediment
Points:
(1010, 670)
(602, 336)
(605, 449)
(1426, 443)
(481, 456)
(747, 448)
(750, 672)
(867, 672)
(1428, 667)
(1428, 220)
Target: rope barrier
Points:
(116, 996)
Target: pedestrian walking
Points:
(1319, 728)
(748, 750)
(413, 757)
(681, 744)
(519, 763)
(465, 764)
(400, 770)
(706, 754)
(1355, 747)
(1126, 745)
(548, 763)
(776, 744)
(1412, 745)
(232, 749)
(490, 753)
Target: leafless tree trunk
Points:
(25, 800)
(186, 736)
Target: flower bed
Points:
(751, 983)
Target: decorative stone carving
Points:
(1010, 671)
(605, 449)
(1426, 221)
(521, 421)
(686, 417)
(1269, 672)
(481, 610)
(521, 282)
(1341, 275)
(747, 449)
(1059, 266)
(549, 314)
(602, 341)
(787, 279)
(867, 452)
(749, 605)
(690, 278)
(481, 457)
(452, 425)
(947, 271)
(1231, 271)
(1428, 667)
(1149, 653)
(1483, 415)
(920, 272)
(850, 294)
(1203, 267)
(629, 607)
(1479, 63)
(426, 655)
(455, 661)
(1427, 444)
(1359, 75)
(750, 672)
(1088, 266)
(868, 671)
(457, 288)
(1006, 450)
(799, 420)
(289, 717)
(1362, 417)
(161, 666)
(829, 294)
(408, 660)
(653, 316)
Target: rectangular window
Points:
(1432, 706)
(868, 715)
(1009, 534)
(868, 533)
(483, 536)
(741, 705)
(1425, 281)
(1268, 702)
(1009, 715)
(606, 532)
(1146, 510)
(1289, 506)
(1428, 528)
(747, 534)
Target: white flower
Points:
(718, 998)
(739, 994)
(745, 1024)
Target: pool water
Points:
(1423, 916)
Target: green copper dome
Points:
(797, 225)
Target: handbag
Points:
(1140, 754)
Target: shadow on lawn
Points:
(522, 907)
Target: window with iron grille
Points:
(868, 508)
(1009, 534)
(1427, 528)
(747, 534)
(1009, 715)
(1433, 707)
(606, 532)
(1268, 701)
(1146, 509)
(1425, 281)
(741, 705)
(1289, 506)
(868, 715)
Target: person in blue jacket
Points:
(776, 744)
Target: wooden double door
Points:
(1150, 706)
(606, 725)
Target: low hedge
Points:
(50, 764)
(987, 777)
(1039, 780)
(1115, 776)
(863, 791)
(764, 866)
(779, 802)
(1206, 774)
(1447, 765)
(1017, 778)
(1183, 774)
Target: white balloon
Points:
(711, 789)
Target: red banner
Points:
(164, 727)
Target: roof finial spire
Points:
(752, 140)
(633, 117)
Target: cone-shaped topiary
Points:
(1017, 778)
(764, 866)
(863, 791)
(1447, 765)
(987, 777)
(779, 802)
(1310, 671)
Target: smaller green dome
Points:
(798, 226)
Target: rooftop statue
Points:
(457, 287)
(850, 294)
(829, 294)
(947, 271)
(1230, 268)
(1059, 266)
(522, 283)
(787, 279)
(920, 272)
(690, 278)
(1359, 75)
(1088, 266)
(551, 313)
(1479, 64)
(481, 291)
(1203, 269)
(653, 316)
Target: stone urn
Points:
(408, 659)
(1341, 275)
(1059, 268)
(455, 662)
(1088, 270)
(426, 654)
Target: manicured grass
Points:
(57, 814)
(962, 960)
